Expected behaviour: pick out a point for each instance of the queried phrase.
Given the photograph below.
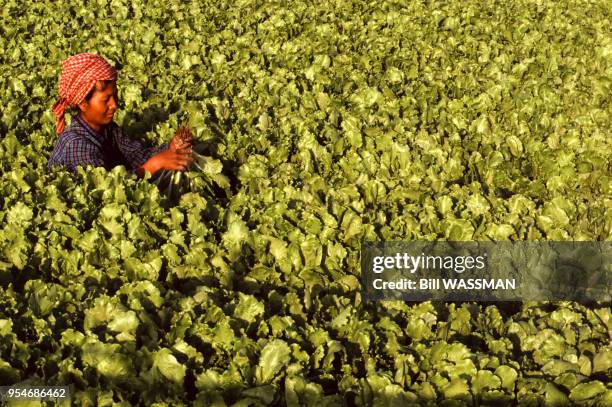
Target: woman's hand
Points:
(170, 159)
(176, 157)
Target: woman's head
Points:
(80, 78)
(99, 86)
(99, 105)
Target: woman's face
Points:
(99, 110)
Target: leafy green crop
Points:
(318, 127)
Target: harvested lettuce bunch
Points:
(204, 174)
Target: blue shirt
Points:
(80, 145)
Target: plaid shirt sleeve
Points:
(134, 152)
(79, 152)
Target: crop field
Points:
(321, 125)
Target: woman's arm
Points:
(152, 159)
(166, 160)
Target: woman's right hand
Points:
(167, 160)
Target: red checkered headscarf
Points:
(79, 75)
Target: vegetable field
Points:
(321, 125)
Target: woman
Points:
(88, 84)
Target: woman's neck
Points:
(95, 127)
